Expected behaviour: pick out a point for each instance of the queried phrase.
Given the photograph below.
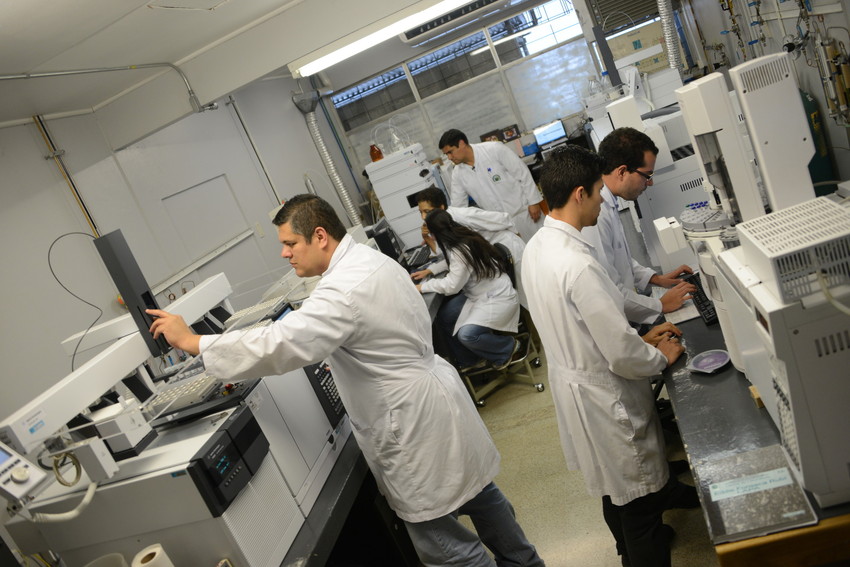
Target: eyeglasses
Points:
(647, 176)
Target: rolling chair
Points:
(520, 366)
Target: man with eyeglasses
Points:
(629, 157)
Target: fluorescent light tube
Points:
(311, 67)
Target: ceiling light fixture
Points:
(321, 59)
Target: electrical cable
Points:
(617, 12)
(43, 518)
(58, 461)
(829, 297)
(99, 310)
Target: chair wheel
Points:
(536, 363)
(481, 403)
(540, 387)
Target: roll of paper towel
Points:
(152, 556)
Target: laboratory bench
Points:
(718, 419)
(351, 523)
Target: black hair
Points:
(567, 168)
(484, 259)
(305, 213)
(625, 146)
(451, 138)
(433, 195)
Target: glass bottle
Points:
(375, 152)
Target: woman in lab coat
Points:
(489, 301)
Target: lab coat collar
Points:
(550, 222)
(342, 248)
(609, 198)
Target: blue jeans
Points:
(445, 541)
(472, 342)
(485, 343)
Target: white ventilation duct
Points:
(671, 38)
(306, 103)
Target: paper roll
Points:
(152, 556)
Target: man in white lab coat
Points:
(496, 178)
(495, 226)
(419, 431)
(627, 172)
(599, 368)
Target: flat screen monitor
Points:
(131, 284)
(550, 134)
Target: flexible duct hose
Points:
(342, 192)
(671, 39)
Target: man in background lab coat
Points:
(419, 431)
(496, 178)
(627, 172)
(599, 368)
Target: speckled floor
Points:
(558, 516)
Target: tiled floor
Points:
(558, 516)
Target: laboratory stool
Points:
(482, 381)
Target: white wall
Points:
(202, 167)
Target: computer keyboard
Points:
(418, 256)
(703, 304)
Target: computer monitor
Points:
(388, 241)
(550, 134)
(132, 286)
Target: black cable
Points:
(99, 310)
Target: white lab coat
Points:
(499, 181)
(598, 368)
(612, 250)
(496, 228)
(410, 413)
(491, 303)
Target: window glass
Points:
(535, 30)
(550, 85)
(451, 65)
(373, 98)
(476, 108)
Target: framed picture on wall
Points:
(510, 133)
(493, 136)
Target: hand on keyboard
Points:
(420, 275)
(676, 296)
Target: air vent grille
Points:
(465, 12)
(769, 73)
(832, 344)
(790, 247)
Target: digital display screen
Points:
(4, 456)
(550, 132)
